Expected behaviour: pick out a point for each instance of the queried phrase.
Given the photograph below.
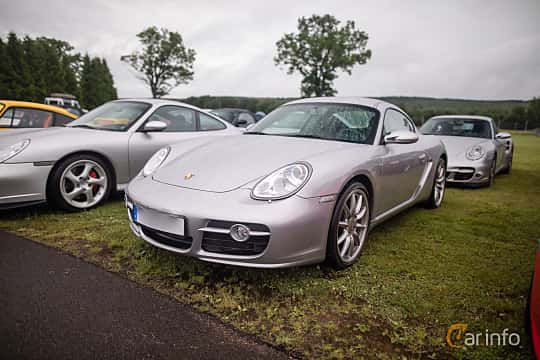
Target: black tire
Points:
(54, 195)
(434, 201)
(491, 179)
(508, 167)
(332, 248)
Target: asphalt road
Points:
(55, 306)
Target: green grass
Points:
(470, 261)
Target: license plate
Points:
(158, 220)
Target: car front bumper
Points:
(468, 172)
(23, 184)
(284, 233)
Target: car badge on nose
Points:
(188, 176)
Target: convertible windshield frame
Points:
(424, 131)
(374, 127)
(148, 106)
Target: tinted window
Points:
(395, 121)
(31, 118)
(209, 123)
(60, 120)
(340, 122)
(178, 119)
(447, 126)
(226, 115)
(116, 116)
(5, 120)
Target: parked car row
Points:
(303, 185)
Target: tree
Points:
(319, 49)
(97, 86)
(164, 61)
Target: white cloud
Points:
(466, 49)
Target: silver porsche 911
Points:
(77, 166)
(303, 185)
(476, 151)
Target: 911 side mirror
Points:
(503, 135)
(401, 137)
(154, 126)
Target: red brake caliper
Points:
(94, 175)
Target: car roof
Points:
(475, 117)
(353, 100)
(38, 106)
(160, 102)
(231, 109)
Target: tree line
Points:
(33, 68)
(512, 114)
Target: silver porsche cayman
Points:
(476, 150)
(77, 166)
(303, 185)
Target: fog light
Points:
(239, 232)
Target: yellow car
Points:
(23, 114)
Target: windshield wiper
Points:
(256, 133)
(83, 126)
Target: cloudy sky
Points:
(461, 49)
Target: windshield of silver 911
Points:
(339, 122)
(448, 126)
(114, 116)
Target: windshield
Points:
(115, 116)
(339, 122)
(448, 126)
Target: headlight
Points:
(155, 161)
(11, 151)
(475, 153)
(283, 182)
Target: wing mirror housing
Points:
(503, 135)
(401, 137)
(154, 126)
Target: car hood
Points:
(50, 144)
(228, 163)
(458, 145)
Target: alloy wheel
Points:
(440, 184)
(83, 184)
(352, 226)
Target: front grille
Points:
(165, 238)
(460, 174)
(224, 244)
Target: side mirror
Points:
(241, 123)
(503, 135)
(401, 137)
(154, 126)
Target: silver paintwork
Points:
(23, 178)
(499, 150)
(226, 170)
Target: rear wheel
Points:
(79, 182)
(349, 227)
(439, 186)
(508, 167)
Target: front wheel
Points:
(349, 227)
(79, 182)
(439, 186)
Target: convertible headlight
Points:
(475, 153)
(155, 161)
(283, 182)
(11, 151)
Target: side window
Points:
(60, 120)
(209, 123)
(5, 120)
(178, 119)
(32, 118)
(395, 121)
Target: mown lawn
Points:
(467, 262)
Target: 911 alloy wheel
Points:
(439, 186)
(79, 182)
(350, 226)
